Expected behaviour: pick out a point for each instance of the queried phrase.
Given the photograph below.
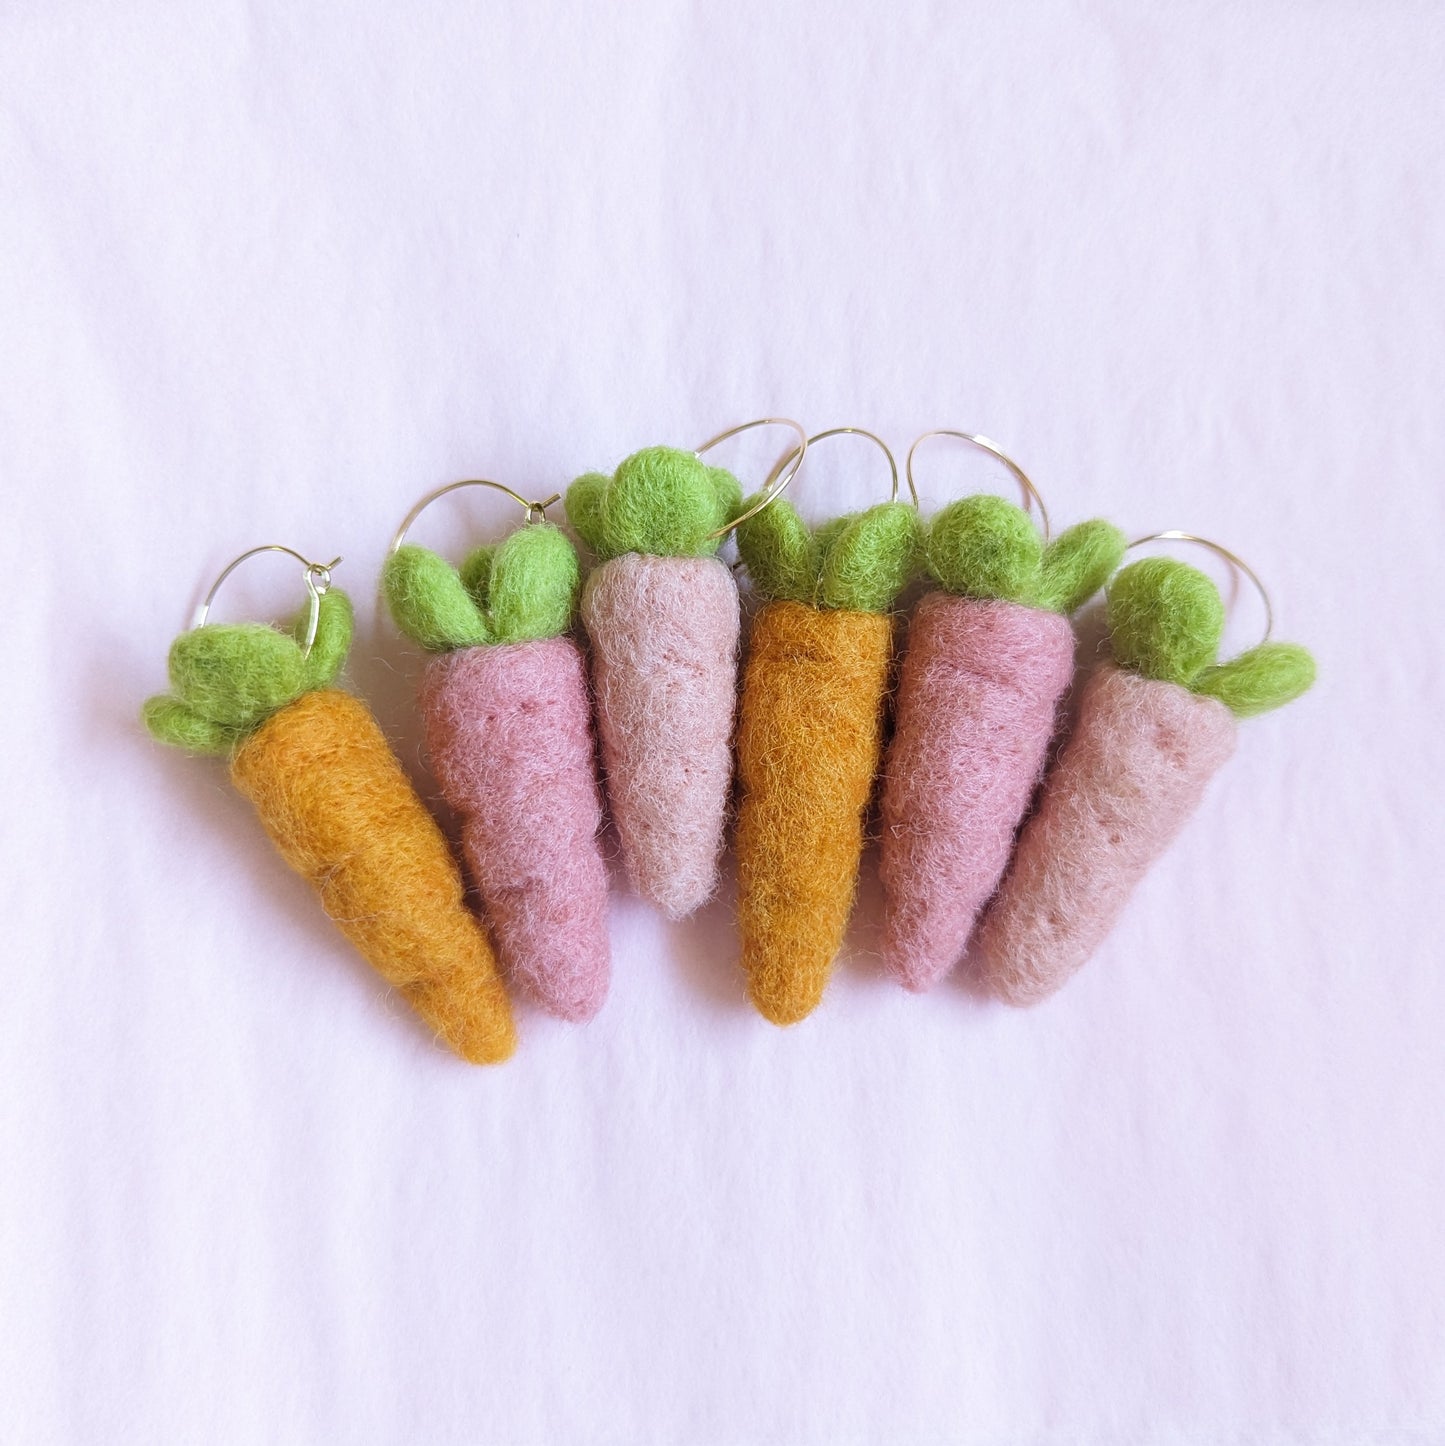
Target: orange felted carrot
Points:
(332, 796)
(810, 736)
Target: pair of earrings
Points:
(508, 728)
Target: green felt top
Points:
(518, 590)
(228, 678)
(661, 501)
(1166, 620)
(986, 547)
(858, 563)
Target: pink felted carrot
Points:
(508, 732)
(661, 614)
(1153, 727)
(989, 656)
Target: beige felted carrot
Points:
(340, 810)
(810, 735)
(662, 618)
(1154, 725)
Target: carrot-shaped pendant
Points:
(989, 656)
(1153, 727)
(331, 794)
(810, 735)
(661, 614)
(509, 734)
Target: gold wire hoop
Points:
(536, 511)
(856, 432)
(317, 578)
(800, 451)
(1233, 559)
(1032, 496)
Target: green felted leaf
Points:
(429, 602)
(1165, 619)
(660, 501)
(171, 721)
(1077, 563)
(984, 547)
(476, 573)
(778, 551)
(333, 637)
(1263, 678)
(236, 674)
(534, 582)
(870, 558)
(585, 504)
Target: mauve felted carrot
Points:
(331, 794)
(809, 736)
(989, 656)
(661, 614)
(1153, 727)
(509, 734)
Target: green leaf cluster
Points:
(1166, 620)
(513, 592)
(228, 678)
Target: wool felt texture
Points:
(979, 687)
(810, 735)
(332, 796)
(521, 589)
(660, 501)
(1148, 737)
(1134, 770)
(226, 678)
(508, 730)
(859, 562)
(509, 734)
(809, 740)
(664, 636)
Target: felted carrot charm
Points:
(331, 794)
(809, 736)
(989, 656)
(661, 614)
(1153, 727)
(509, 734)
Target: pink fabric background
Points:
(272, 270)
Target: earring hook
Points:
(317, 578)
(1032, 496)
(1233, 559)
(856, 432)
(536, 511)
(770, 492)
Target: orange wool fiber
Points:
(809, 742)
(332, 796)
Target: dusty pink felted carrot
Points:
(1153, 727)
(989, 656)
(661, 614)
(508, 732)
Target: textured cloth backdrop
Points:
(271, 271)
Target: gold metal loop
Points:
(770, 492)
(1233, 559)
(317, 578)
(856, 432)
(536, 511)
(1032, 495)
